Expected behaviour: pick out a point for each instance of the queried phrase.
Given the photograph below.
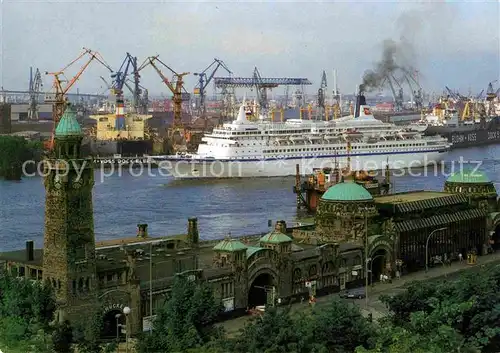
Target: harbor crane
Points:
(260, 83)
(177, 89)
(35, 86)
(322, 90)
(203, 82)
(398, 97)
(61, 86)
(121, 78)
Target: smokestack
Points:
(360, 100)
(30, 250)
(193, 235)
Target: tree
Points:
(62, 338)
(26, 310)
(340, 327)
(273, 332)
(86, 334)
(14, 151)
(469, 307)
(185, 321)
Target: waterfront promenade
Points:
(375, 306)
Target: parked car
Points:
(358, 293)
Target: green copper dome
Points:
(275, 237)
(230, 245)
(68, 125)
(468, 177)
(347, 191)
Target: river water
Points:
(239, 206)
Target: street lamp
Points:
(126, 311)
(366, 258)
(427, 247)
(117, 317)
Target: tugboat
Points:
(309, 192)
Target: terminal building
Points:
(285, 264)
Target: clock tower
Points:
(69, 243)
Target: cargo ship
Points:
(124, 135)
(478, 123)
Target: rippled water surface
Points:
(240, 206)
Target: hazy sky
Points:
(455, 43)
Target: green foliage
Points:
(185, 321)
(336, 327)
(62, 338)
(26, 310)
(272, 332)
(465, 313)
(14, 151)
(340, 327)
(86, 334)
(32, 302)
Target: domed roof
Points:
(275, 237)
(68, 125)
(230, 245)
(347, 191)
(468, 176)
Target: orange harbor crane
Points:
(177, 89)
(58, 98)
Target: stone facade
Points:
(69, 244)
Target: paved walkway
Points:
(375, 307)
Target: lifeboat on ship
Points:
(296, 138)
(352, 134)
(314, 137)
(331, 137)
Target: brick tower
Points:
(69, 242)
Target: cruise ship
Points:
(245, 148)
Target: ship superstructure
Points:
(246, 148)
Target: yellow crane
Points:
(178, 91)
(58, 98)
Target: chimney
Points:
(360, 100)
(192, 234)
(142, 230)
(30, 250)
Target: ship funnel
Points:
(360, 102)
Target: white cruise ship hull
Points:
(194, 168)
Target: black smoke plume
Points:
(386, 67)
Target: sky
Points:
(450, 43)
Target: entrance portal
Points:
(259, 290)
(496, 238)
(377, 265)
(113, 322)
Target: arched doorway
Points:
(496, 238)
(377, 264)
(259, 290)
(113, 322)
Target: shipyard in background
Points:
(124, 120)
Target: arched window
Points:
(313, 271)
(297, 275)
(80, 284)
(87, 283)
